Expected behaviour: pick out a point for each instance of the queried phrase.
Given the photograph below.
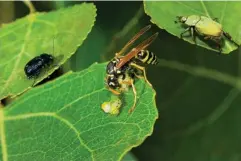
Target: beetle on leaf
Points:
(209, 28)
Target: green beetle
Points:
(204, 26)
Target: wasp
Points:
(122, 69)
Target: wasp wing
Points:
(134, 38)
(136, 50)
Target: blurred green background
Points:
(198, 91)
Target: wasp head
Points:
(111, 66)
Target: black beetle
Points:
(35, 66)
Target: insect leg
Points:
(130, 82)
(114, 91)
(219, 45)
(193, 35)
(217, 41)
(206, 37)
(143, 70)
(35, 77)
(134, 91)
(219, 48)
(230, 38)
(138, 76)
(186, 30)
(34, 82)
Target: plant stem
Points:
(30, 5)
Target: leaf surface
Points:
(63, 120)
(163, 14)
(58, 33)
(198, 95)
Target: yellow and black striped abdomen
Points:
(147, 57)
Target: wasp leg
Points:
(134, 91)
(110, 89)
(114, 91)
(143, 70)
(230, 38)
(117, 54)
(139, 76)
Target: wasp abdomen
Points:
(147, 57)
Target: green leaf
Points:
(58, 33)
(129, 157)
(63, 120)
(198, 98)
(82, 59)
(163, 14)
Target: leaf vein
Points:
(183, 4)
(42, 91)
(204, 8)
(54, 115)
(3, 137)
(78, 99)
(46, 22)
(19, 56)
(112, 123)
(12, 31)
(222, 14)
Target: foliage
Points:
(198, 97)
(197, 91)
(62, 119)
(21, 41)
(163, 14)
